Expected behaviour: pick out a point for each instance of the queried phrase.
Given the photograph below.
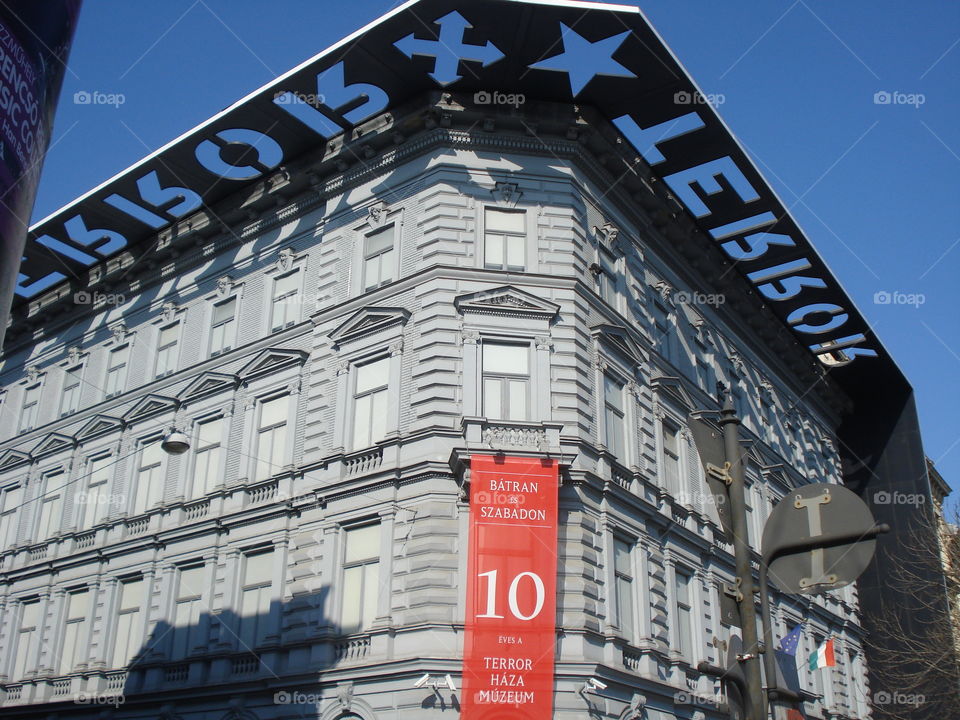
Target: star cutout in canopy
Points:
(583, 60)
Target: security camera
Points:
(422, 681)
(596, 684)
(453, 688)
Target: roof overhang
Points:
(601, 55)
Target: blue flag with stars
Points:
(790, 641)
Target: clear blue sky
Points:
(875, 186)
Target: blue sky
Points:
(873, 183)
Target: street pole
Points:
(730, 424)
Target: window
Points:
(95, 499)
(504, 240)
(255, 599)
(128, 641)
(186, 615)
(271, 437)
(506, 381)
(75, 631)
(70, 399)
(9, 504)
(613, 415)
(207, 464)
(606, 278)
(623, 581)
(684, 615)
(663, 333)
(671, 456)
(286, 300)
(27, 638)
(370, 403)
(51, 506)
(378, 257)
(222, 326)
(117, 371)
(31, 406)
(167, 340)
(705, 375)
(361, 573)
(149, 486)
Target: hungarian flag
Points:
(822, 656)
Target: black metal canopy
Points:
(605, 56)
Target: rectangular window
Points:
(51, 506)
(31, 406)
(370, 403)
(208, 462)
(70, 400)
(361, 572)
(255, 599)
(149, 486)
(614, 417)
(671, 456)
(167, 341)
(128, 640)
(684, 615)
(222, 326)
(506, 381)
(378, 250)
(95, 497)
(272, 437)
(623, 579)
(117, 371)
(607, 279)
(27, 638)
(286, 300)
(505, 239)
(186, 615)
(75, 631)
(9, 517)
(663, 339)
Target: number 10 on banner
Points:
(540, 595)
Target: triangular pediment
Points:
(52, 443)
(208, 383)
(98, 425)
(369, 320)
(506, 300)
(618, 338)
(150, 405)
(672, 388)
(11, 458)
(270, 360)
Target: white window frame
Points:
(259, 430)
(9, 515)
(261, 621)
(53, 479)
(83, 522)
(76, 370)
(174, 363)
(28, 637)
(290, 317)
(358, 236)
(382, 390)
(197, 450)
(367, 255)
(679, 608)
(135, 613)
(505, 378)
(75, 627)
(192, 599)
(22, 425)
(621, 453)
(112, 388)
(625, 577)
(231, 342)
(366, 599)
(529, 253)
(145, 498)
(678, 486)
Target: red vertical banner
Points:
(510, 624)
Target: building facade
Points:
(336, 340)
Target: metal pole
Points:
(730, 424)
